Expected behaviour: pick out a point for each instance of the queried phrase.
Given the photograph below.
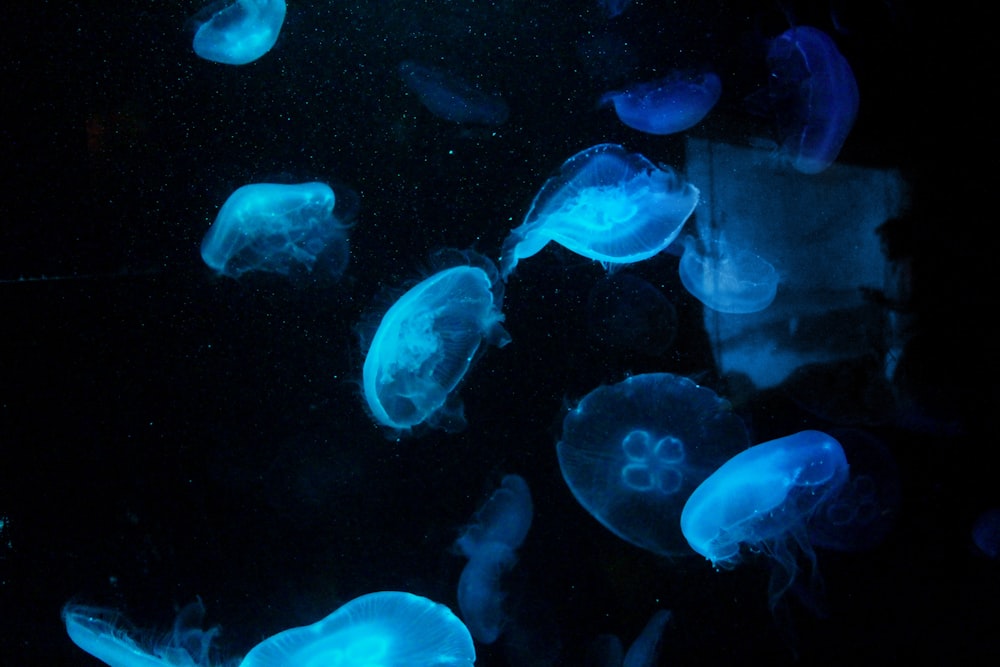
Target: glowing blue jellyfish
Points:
(815, 96)
(237, 32)
(605, 204)
(727, 279)
(389, 629)
(276, 228)
(632, 452)
(666, 106)
(100, 633)
(763, 498)
(426, 342)
(449, 97)
(490, 542)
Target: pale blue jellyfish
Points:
(727, 279)
(277, 228)
(606, 204)
(426, 342)
(237, 32)
(763, 498)
(668, 105)
(451, 98)
(388, 629)
(632, 452)
(490, 543)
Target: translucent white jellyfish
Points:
(427, 341)
(606, 204)
(727, 279)
(237, 32)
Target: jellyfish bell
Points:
(726, 278)
(666, 106)
(237, 32)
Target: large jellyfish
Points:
(276, 228)
(237, 32)
(763, 498)
(428, 339)
(451, 98)
(727, 279)
(632, 452)
(389, 629)
(490, 542)
(606, 204)
(668, 105)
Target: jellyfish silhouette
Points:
(451, 98)
(986, 532)
(727, 279)
(427, 341)
(237, 32)
(632, 452)
(606, 204)
(627, 313)
(668, 105)
(763, 498)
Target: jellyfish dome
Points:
(727, 279)
(606, 204)
(427, 341)
(632, 452)
(666, 106)
(389, 629)
(237, 32)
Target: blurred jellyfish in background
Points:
(668, 105)
(632, 452)
(613, 8)
(606, 204)
(490, 542)
(763, 499)
(277, 228)
(625, 312)
(237, 32)
(607, 651)
(427, 341)
(986, 532)
(727, 279)
(389, 629)
(451, 98)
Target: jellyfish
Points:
(606, 204)
(389, 628)
(763, 498)
(490, 542)
(632, 452)
(607, 650)
(668, 105)
(277, 228)
(451, 98)
(101, 633)
(986, 532)
(427, 341)
(627, 313)
(727, 279)
(237, 32)
(815, 97)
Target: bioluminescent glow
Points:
(632, 452)
(239, 32)
(606, 204)
(451, 98)
(727, 279)
(668, 105)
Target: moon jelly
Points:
(666, 106)
(727, 279)
(389, 629)
(763, 498)
(815, 96)
(426, 342)
(449, 97)
(632, 452)
(274, 227)
(240, 31)
(606, 204)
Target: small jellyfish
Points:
(606, 204)
(427, 341)
(727, 279)
(389, 629)
(237, 32)
(276, 228)
(764, 498)
(449, 97)
(627, 313)
(666, 106)
(632, 452)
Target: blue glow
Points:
(239, 32)
(727, 279)
(273, 227)
(606, 204)
(387, 628)
(426, 342)
(645, 650)
(815, 95)
(614, 8)
(668, 105)
(632, 452)
(489, 542)
(451, 98)
(986, 532)
(763, 498)
(101, 633)
(627, 313)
